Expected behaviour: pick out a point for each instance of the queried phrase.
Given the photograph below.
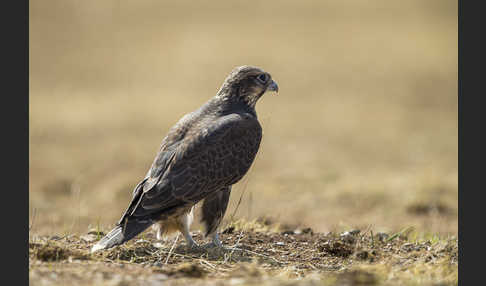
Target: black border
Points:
(16, 144)
(15, 141)
(470, 110)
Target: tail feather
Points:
(121, 234)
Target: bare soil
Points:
(253, 255)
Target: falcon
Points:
(202, 156)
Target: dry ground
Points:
(256, 254)
(363, 134)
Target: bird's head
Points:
(247, 84)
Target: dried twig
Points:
(233, 250)
(203, 261)
(259, 254)
(241, 197)
(172, 248)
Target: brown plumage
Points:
(201, 157)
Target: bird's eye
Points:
(262, 78)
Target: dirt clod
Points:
(48, 252)
(349, 236)
(229, 230)
(51, 253)
(308, 230)
(363, 255)
(188, 270)
(336, 248)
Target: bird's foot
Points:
(215, 243)
(192, 245)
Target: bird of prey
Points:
(202, 156)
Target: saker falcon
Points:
(201, 157)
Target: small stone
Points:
(158, 245)
(280, 243)
(288, 232)
(347, 237)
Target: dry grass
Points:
(362, 135)
(254, 256)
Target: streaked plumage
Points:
(201, 157)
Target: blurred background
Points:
(363, 132)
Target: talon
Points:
(216, 242)
(193, 245)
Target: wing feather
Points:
(187, 172)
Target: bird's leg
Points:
(216, 242)
(213, 209)
(190, 241)
(159, 230)
(185, 223)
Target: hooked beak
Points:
(273, 87)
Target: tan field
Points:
(363, 133)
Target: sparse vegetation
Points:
(255, 254)
(362, 136)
